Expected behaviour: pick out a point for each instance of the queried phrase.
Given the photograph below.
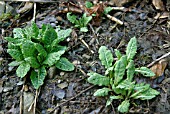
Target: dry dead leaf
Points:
(159, 68)
(98, 10)
(28, 6)
(162, 16)
(165, 15)
(158, 4)
(70, 7)
(157, 15)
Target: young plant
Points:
(118, 79)
(36, 50)
(106, 9)
(80, 23)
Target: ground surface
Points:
(153, 36)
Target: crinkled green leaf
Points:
(42, 30)
(35, 30)
(145, 71)
(40, 57)
(78, 24)
(88, 4)
(33, 62)
(139, 88)
(107, 10)
(59, 48)
(14, 40)
(102, 92)
(27, 33)
(119, 70)
(64, 64)
(98, 79)
(14, 46)
(81, 23)
(105, 56)
(109, 70)
(85, 20)
(16, 54)
(118, 90)
(18, 33)
(130, 70)
(124, 106)
(23, 69)
(148, 94)
(144, 91)
(118, 54)
(126, 84)
(31, 31)
(63, 34)
(15, 63)
(83, 29)
(71, 18)
(28, 49)
(40, 49)
(124, 60)
(111, 98)
(49, 35)
(131, 48)
(37, 77)
(53, 57)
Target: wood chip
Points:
(158, 4)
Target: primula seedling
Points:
(88, 4)
(118, 78)
(80, 23)
(36, 50)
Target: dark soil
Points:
(152, 35)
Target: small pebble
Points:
(63, 85)
(20, 83)
(58, 81)
(62, 73)
(6, 89)
(25, 88)
(68, 39)
(10, 68)
(76, 62)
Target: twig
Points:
(34, 102)
(83, 72)
(72, 98)
(114, 19)
(165, 55)
(34, 15)
(82, 102)
(29, 109)
(21, 101)
(92, 29)
(21, 97)
(119, 8)
(95, 35)
(113, 108)
(81, 39)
